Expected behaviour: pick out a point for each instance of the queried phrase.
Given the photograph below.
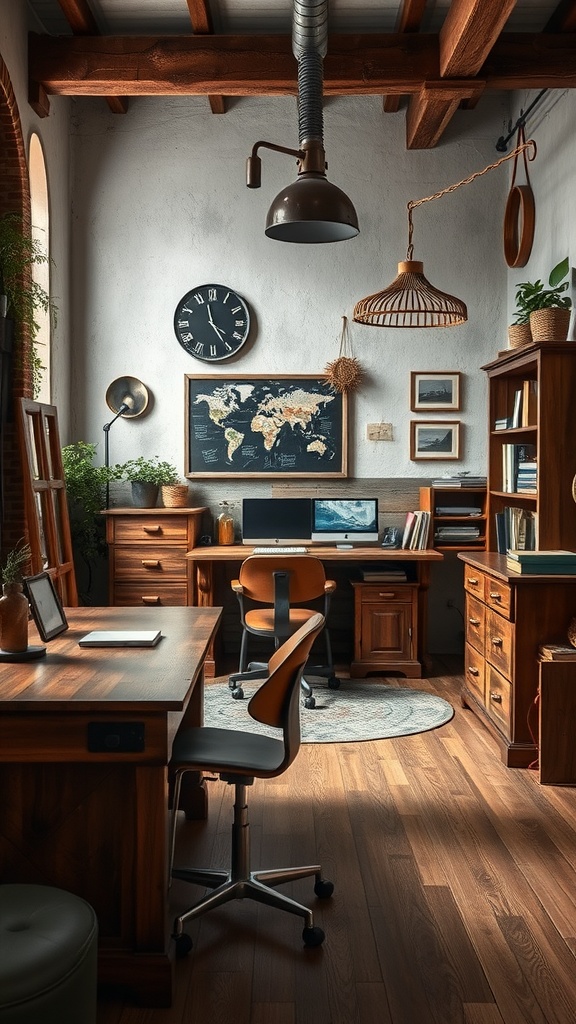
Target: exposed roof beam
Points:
(433, 107)
(83, 23)
(409, 20)
(264, 65)
(202, 25)
(563, 19)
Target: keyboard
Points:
(277, 550)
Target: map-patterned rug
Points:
(358, 710)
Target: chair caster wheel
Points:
(309, 702)
(238, 693)
(183, 944)
(333, 683)
(313, 937)
(323, 889)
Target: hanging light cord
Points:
(531, 145)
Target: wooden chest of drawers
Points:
(147, 548)
(507, 617)
(385, 629)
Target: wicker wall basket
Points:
(518, 335)
(550, 324)
(175, 495)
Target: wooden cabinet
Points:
(147, 547)
(449, 507)
(385, 629)
(507, 617)
(545, 377)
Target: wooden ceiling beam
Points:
(201, 20)
(264, 65)
(563, 19)
(469, 32)
(430, 111)
(83, 23)
(409, 20)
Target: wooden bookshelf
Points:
(546, 375)
(455, 499)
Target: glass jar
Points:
(225, 526)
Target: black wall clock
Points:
(212, 322)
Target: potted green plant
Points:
(21, 298)
(146, 477)
(545, 310)
(13, 603)
(86, 486)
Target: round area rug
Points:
(358, 710)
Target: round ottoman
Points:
(48, 947)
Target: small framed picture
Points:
(434, 439)
(435, 391)
(45, 605)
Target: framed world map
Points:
(265, 427)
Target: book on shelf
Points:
(454, 534)
(517, 410)
(383, 573)
(529, 403)
(557, 652)
(519, 468)
(457, 511)
(460, 481)
(504, 423)
(516, 529)
(416, 530)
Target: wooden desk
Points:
(204, 558)
(91, 821)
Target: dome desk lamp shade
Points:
(411, 300)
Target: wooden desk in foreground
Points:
(85, 739)
(374, 625)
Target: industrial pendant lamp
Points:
(411, 301)
(311, 209)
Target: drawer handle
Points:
(473, 671)
(387, 596)
(151, 563)
(496, 697)
(152, 529)
(496, 641)
(474, 622)
(472, 581)
(152, 599)
(494, 596)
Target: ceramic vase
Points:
(13, 619)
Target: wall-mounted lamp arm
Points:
(254, 163)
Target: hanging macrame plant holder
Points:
(345, 372)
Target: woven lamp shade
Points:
(411, 301)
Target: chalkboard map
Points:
(265, 427)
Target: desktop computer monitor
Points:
(352, 520)
(276, 520)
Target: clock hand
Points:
(219, 332)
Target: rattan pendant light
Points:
(411, 301)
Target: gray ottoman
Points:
(48, 947)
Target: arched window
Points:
(40, 271)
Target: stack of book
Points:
(456, 534)
(557, 652)
(381, 573)
(460, 481)
(416, 530)
(519, 468)
(545, 563)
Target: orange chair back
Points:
(307, 577)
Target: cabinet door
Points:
(388, 631)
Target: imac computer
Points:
(276, 521)
(344, 520)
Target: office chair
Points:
(280, 582)
(238, 758)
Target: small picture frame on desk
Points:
(434, 439)
(438, 391)
(45, 605)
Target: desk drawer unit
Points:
(385, 629)
(507, 617)
(148, 564)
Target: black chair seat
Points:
(219, 750)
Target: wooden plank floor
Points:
(455, 891)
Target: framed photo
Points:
(257, 426)
(434, 439)
(45, 605)
(435, 391)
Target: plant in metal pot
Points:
(533, 297)
(21, 297)
(86, 496)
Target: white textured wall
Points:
(160, 205)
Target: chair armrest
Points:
(237, 586)
(329, 586)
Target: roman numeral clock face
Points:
(212, 322)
